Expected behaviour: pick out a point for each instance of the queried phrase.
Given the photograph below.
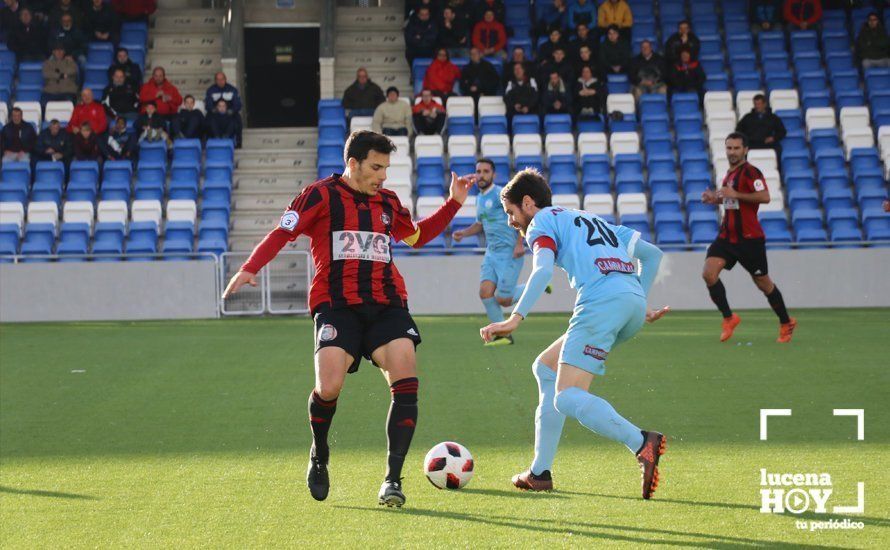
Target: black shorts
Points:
(751, 253)
(359, 330)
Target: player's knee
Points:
(709, 277)
(543, 371)
(563, 403)
(328, 390)
(485, 293)
(505, 302)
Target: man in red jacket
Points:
(88, 111)
(490, 36)
(162, 92)
(135, 10)
(803, 14)
(441, 75)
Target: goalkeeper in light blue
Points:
(610, 308)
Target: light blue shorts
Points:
(599, 325)
(501, 268)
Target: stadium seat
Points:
(74, 239)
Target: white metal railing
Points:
(282, 286)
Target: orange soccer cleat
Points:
(654, 446)
(729, 325)
(786, 330)
(527, 481)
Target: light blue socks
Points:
(493, 309)
(548, 421)
(597, 415)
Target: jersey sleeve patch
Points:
(544, 242)
(289, 220)
(759, 185)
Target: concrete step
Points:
(187, 21)
(255, 223)
(285, 139)
(369, 19)
(186, 63)
(263, 203)
(378, 40)
(284, 182)
(176, 43)
(373, 61)
(274, 160)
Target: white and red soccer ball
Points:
(448, 465)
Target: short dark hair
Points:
(17, 109)
(186, 97)
(737, 135)
(613, 27)
(361, 142)
(488, 161)
(759, 97)
(684, 22)
(392, 89)
(528, 182)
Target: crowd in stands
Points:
(580, 43)
(109, 123)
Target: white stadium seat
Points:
(403, 146)
(468, 210)
(4, 113)
(112, 211)
(59, 110)
(721, 166)
(428, 146)
(621, 102)
(78, 212)
(462, 146)
(428, 205)
(180, 210)
(776, 202)
(772, 178)
(820, 117)
(716, 102)
(853, 118)
(146, 211)
(360, 123)
(12, 213)
(632, 203)
(526, 144)
(624, 142)
(31, 112)
(495, 145)
(560, 144)
(721, 126)
(744, 101)
(567, 201)
(398, 174)
(592, 143)
(492, 105)
(460, 106)
(856, 138)
(784, 99)
(398, 160)
(599, 203)
(43, 212)
(764, 159)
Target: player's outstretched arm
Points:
(431, 227)
(542, 272)
(650, 259)
(474, 229)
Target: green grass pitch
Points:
(185, 434)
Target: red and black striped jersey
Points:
(740, 217)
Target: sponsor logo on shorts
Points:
(613, 265)
(289, 220)
(327, 333)
(596, 352)
(412, 332)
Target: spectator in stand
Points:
(221, 89)
(412, 6)
(872, 44)
(585, 59)
(763, 129)
(558, 63)
(421, 34)
(490, 36)
(583, 37)
(429, 115)
(10, 15)
(362, 96)
(479, 77)
(102, 23)
(590, 95)
(556, 97)
(581, 11)
(647, 72)
(119, 144)
(59, 77)
(40, 9)
(556, 40)
(54, 144)
(802, 14)
(496, 6)
(222, 123)
(151, 126)
(614, 56)
(615, 12)
(521, 95)
(66, 7)
(550, 15)
(687, 75)
(132, 71)
(766, 15)
(393, 116)
(189, 121)
(453, 34)
(75, 42)
(162, 92)
(441, 75)
(17, 138)
(28, 38)
(463, 12)
(518, 58)
(86, 143)
(134, 10)
(683, 38)
(121, 97)
(88, 111)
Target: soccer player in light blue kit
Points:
(610, 309)
(504, 251)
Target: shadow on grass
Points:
(878, 522)
(39, 493)
(512, 494)
(637, 535)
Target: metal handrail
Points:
(21, 258)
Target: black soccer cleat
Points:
(317, 479)
(391, 494)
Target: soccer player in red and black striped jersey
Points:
(357, 297)
(741, 239)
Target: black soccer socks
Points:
(778, 304)
(400, 425)
(321, 413)
(718, 296)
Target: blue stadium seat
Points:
(670, 227)
(843, 224)
(187, 150)
(629, 183)
(19, 172)
(142, 239)
(39, 239)
(222, 150)
(329, 128)
(221, 171)
(151, 178)
(153, 152)
(526, 124)
(824, 139)
(703, 226)
(665, 200)
(617, 84)
(807, 224)
(639, 222)
(493, 124)
(331, 109)
(803, 199)
(179, 237)
(837, 197)
(775, 227)
(10, 239)
(804, 41)
(461, 126)
(529, 161)
(108, 238)
(183, 181)
(14, 191)
(663, 183)
(877, 225)
(799, 179)
(213, 236)
(557, 124)
(586, 124)
(771, 41)
(74, 239)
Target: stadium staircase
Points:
(371, 38)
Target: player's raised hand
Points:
(708, 197)
(460, 187)
(653, 315)
(237, 281)
(504, 328)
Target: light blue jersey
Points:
(596, 255)
(490, 213)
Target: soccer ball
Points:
(448, 465)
